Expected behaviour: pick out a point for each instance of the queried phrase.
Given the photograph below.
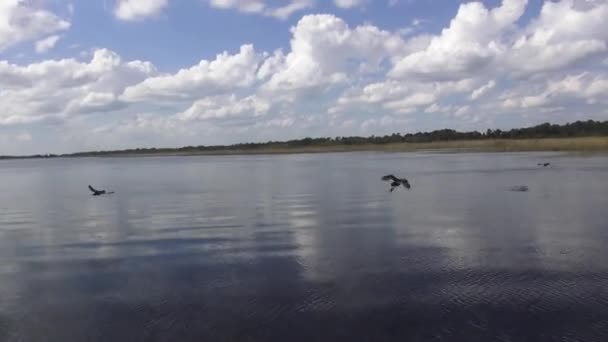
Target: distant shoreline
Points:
(578, 144)
(579, 136)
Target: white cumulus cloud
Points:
(56, 89)
(21, 21)
(565, 33)
(470, 43)
(224, 73)
(325, 50)
(134, 10)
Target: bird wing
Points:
(390, 177)
(93, 190)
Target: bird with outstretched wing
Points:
(99, 192)
(395, 182)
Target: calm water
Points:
(305, 248)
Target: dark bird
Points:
(395, 182)
(519, 188)
(544, 164)
(99, 192)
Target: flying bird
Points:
(99, 192)
(544, 164)
(395, 182)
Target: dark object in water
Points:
(520, 188)
(395, 182)
(544, 164)
(99, 192)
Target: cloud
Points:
(325, 50)
(224, 108)
(479, 92)
(349, 3)
(94, 102)
(46, 44)
(470, 43)
(401, 97)
(136, 10)
(286, 11)
(262, 8)
(480, 40)
(565, 33)
(224, 73)
(411, 103)
(570, 90)
(57, 89)
(20, 21)
(462, 111)
(436, 108)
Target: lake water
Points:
(305, 248)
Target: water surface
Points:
(305, 248)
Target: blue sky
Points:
(86, 75)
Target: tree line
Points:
(545, 130)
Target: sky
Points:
(81, 75)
